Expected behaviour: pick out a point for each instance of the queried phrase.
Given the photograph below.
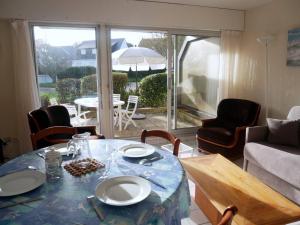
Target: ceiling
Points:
(228, 4)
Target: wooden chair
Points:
(48, 135)
(162, 134)
(228, 215)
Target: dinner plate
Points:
(123, 190)
(21, 182)
(137, 150)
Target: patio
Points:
(153, 120)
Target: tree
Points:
(51, 59)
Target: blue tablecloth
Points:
(65, 200)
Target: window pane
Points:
(66, 70)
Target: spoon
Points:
(148, 162)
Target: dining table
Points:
(92, 102)
(64, 200)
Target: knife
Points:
(152, 181)
(99, 213)
(21, 202)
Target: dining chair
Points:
(51, 135)
(162, 134)
(228, 215)
(128, 113)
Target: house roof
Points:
(92, 43)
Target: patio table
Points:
(92, 102)
(65, 200)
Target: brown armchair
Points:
(226, 133)
(55, 116)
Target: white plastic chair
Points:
(116, 97)
(128, 113)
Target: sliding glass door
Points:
(195, 79)
(66, 70)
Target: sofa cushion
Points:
(281, 161)
(283, 132)
(216, 134)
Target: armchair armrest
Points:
(256, 134)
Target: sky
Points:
(70, 36)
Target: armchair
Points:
(225, 134)
(55, 116)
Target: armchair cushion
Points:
(283, 132)
(219, 135)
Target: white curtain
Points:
(230, 54)
(26, 92)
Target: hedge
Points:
(68, 90)
(153, 90)
(76, 72)
(89, 84)
(120, 81)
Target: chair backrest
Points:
(162, 134)
(294, 113)
(238, 112)
(116, 97)
(58, 115)
(38, 119)
(40, 139)
(132, 100)
(228, 215)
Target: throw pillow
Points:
(284, 132)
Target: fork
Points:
(91, 201)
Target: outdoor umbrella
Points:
(138, 59)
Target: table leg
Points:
(120, 117)
(79, 109)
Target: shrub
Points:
(89, 85)
(153, 90)
(76, 72)
(68, 90)
(120, 81)
(45, 100)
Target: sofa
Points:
(276, 165)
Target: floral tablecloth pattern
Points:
(65, 200)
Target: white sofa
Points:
(278, 166)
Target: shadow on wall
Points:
(199, 92)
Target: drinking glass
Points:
(79, 143)
(107, 159)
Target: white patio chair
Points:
(129, 112)
(116, 97)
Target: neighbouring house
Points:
(86, 51)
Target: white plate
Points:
(21, 182)
(137, 150)
(123, 190)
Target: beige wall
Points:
(124, 12)
(276, 19)
(7, 99)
